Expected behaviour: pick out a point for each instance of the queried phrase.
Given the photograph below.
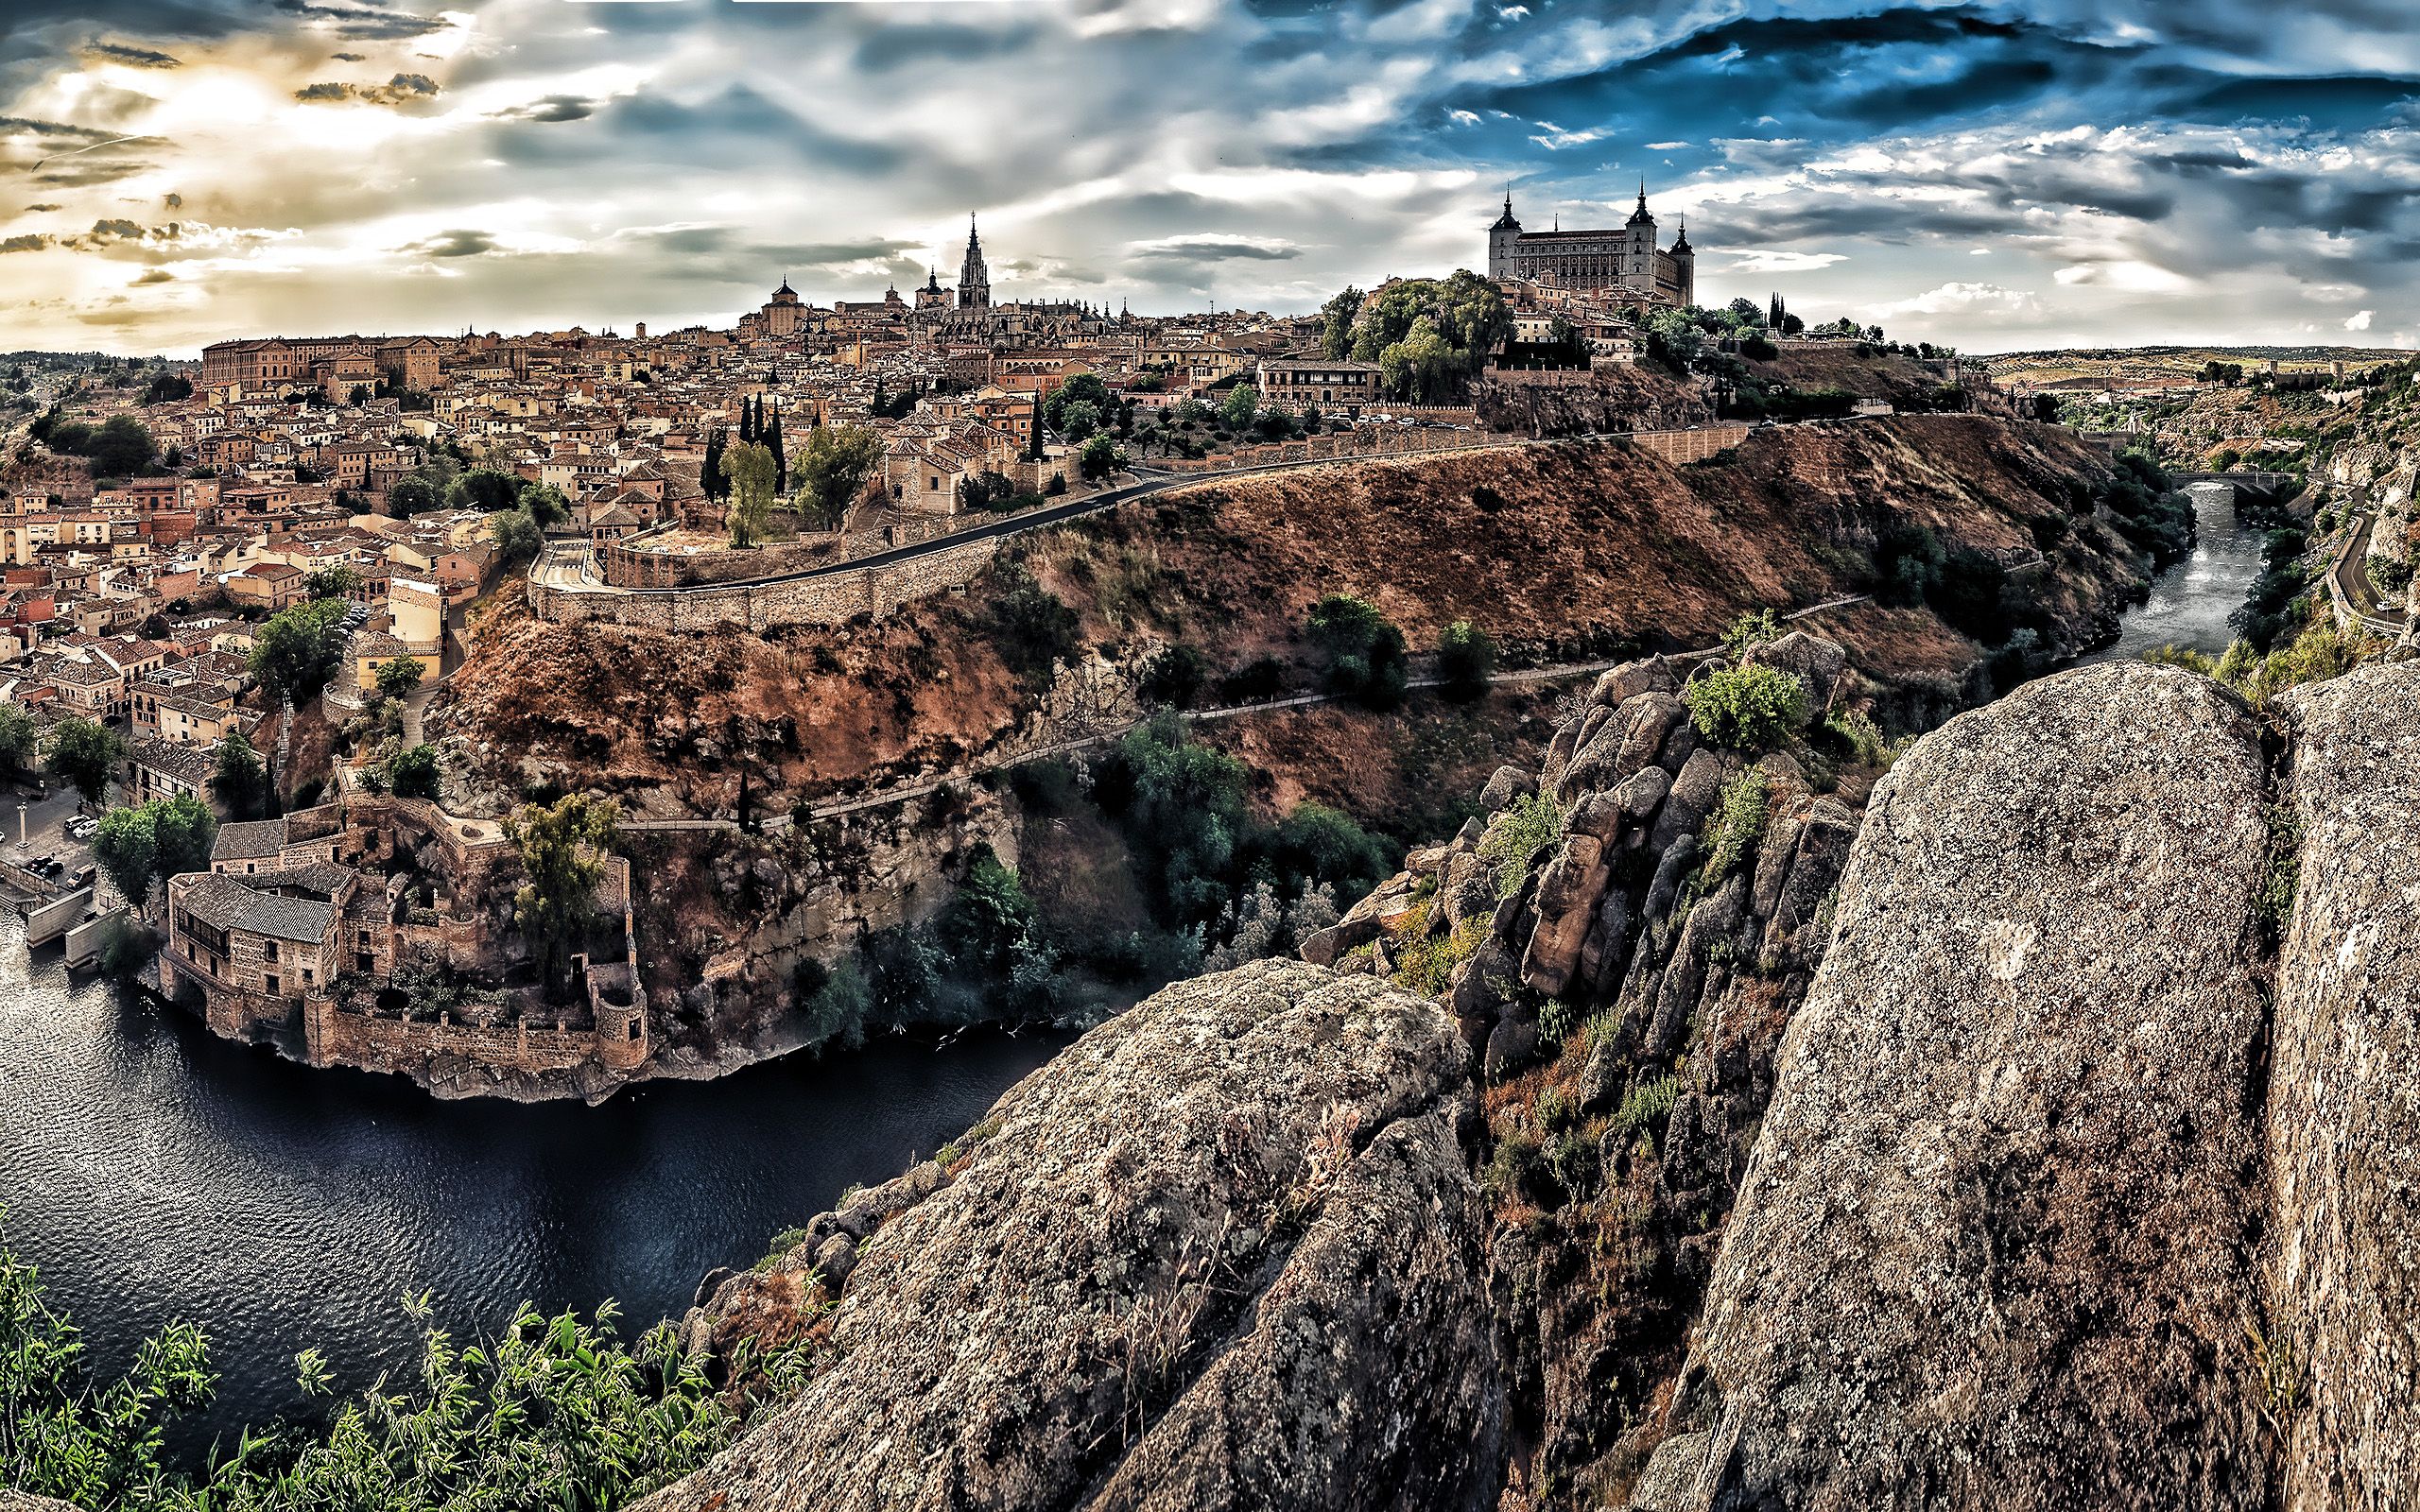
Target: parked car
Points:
(82, 827)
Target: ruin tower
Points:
(973, 279)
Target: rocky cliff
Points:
(2040, 1141)
(1224, 1253)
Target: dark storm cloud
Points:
(899, 45)
(157, 275)
(132, 57)
(27, 243)
(404, 88)
(550, 108)
(454, 244)
(1214, 248)
(2335, 104)
(353, 21)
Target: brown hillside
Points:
(1557, 550)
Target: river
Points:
(156, 1173)
(2190, 602)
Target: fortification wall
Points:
(830, 599)
(333, 1036)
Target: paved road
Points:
(2354, 588)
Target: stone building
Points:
(329, 916)
(1625, 262)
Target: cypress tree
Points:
(1034, 437)
(780, 461)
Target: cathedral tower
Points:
(974, 280)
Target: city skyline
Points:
(184, 171)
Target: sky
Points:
(1998, 176)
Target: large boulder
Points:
(1224, 1253)
(2343, 1106)
(1817, 664)
(1995, 1245)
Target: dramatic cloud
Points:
(132, 57)
(404, 88)
(2114, 169)
(454, 244)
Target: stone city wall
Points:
(333, 1036)
(830, 599)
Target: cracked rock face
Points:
(2344, 1103)
(1995, 1248)
(1223, 1252)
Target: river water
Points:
(156, 1173)
(2190, 601)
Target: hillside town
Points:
(230, 588)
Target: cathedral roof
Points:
(1505, 221)
(1640, 215)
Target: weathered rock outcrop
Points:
(1224, 1253)
(2343, 1107)
(1996, 1245)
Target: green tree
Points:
(1083, 388)
(18, 739)
(1100, 457)
(1465, 660)
(121, 448)
(1182, 808)
(297, 649)
(414, 772)
(241, 779)
(750, 468)
(87, 754)
(1241, 405)
(563, 848)
(833, 469)
(411, 496)
(516, 535)
(399, 674)
(128, 848)
(1423, 367)
(1367, 661)
(184, 831)
(1336, 322)
(546, 504)
(332, 583)
(1079, 419)
(486, 491)
(1466, 314)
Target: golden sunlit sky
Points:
(173, 172)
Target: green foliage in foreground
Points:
(555, 1413)
(1746, 708)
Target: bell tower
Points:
(974, 280)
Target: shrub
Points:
(1175, 675)
(1746, 708)
(413, 773)
(1751, 629)
(1465, 660)
(1367, 661)
(1032, 628)
(1533, 822)
(1738, 823)
(1257, 682)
